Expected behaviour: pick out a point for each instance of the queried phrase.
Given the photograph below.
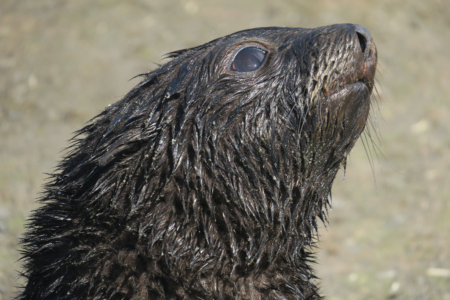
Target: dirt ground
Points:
(62, 62)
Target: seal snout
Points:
(364, 38)
(369, 51)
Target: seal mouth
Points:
(359, 85)
(363, 79)
(349, 100)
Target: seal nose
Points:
(364, 39)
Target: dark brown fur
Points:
(203, 182)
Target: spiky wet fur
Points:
(202, 183)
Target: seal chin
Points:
(351, 105)
(351, 95)
(359, 86)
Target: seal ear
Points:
(126, 129)
(126, 125)
(176, 85)
(126, 142)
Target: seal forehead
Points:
(287, 35)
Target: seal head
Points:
(206, 179)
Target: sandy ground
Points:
(62, 62)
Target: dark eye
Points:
(248, 59)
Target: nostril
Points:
(364, 38)
(362, 41)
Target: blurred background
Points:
(62, 62)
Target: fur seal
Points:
(205, 181)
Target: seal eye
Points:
(248, 59)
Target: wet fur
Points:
(202, 183)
